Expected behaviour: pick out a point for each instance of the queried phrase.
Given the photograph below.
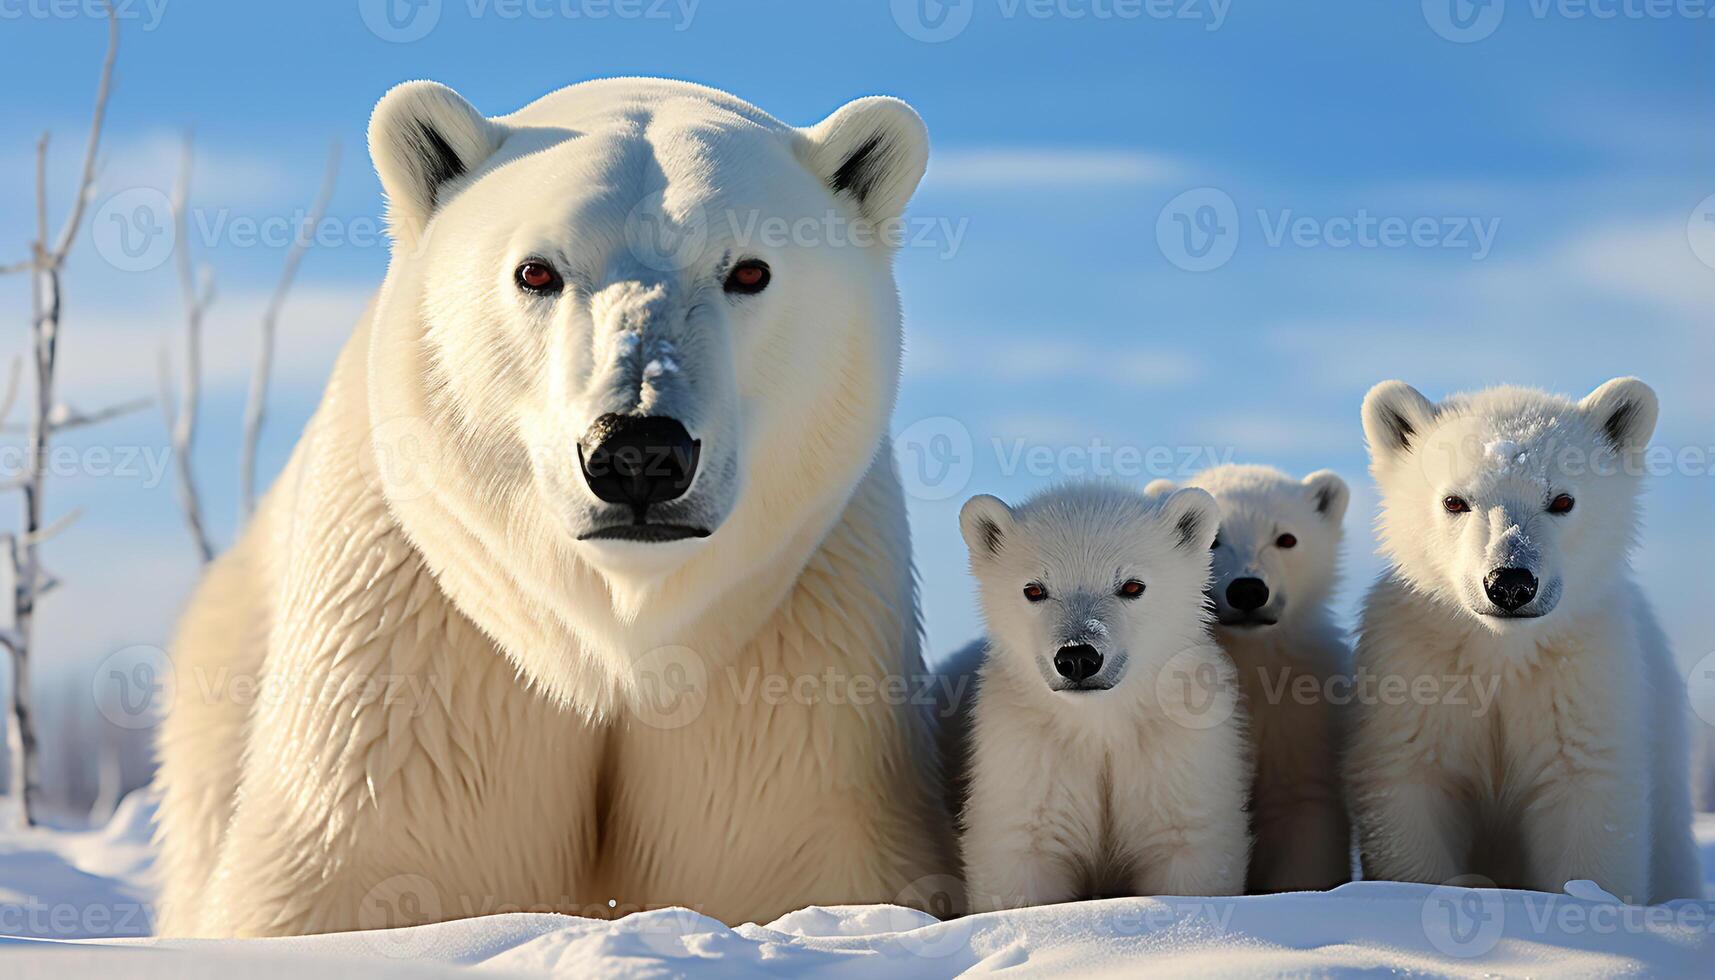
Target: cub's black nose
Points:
(638, 460)
(1078, 662)
(1510, 588)
(1247, 594)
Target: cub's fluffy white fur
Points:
(470, 699)
(1275, 565)
(1125, 773)
(1578, 767)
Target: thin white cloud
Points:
(1650, 261)
(1011, 356)
(1274, 433)
(110, 351)
(221, 175)
(1049, 167)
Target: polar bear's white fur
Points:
(1126, 776)
(481, 687)
(1577, 769)
(1275, 565)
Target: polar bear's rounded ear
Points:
(1159, 488)
(1329, 493)
(1194, 516)
(1394, 413)
(1624, 410)
(874, 150)
(424, 136)
(985, 522)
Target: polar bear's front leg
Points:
(1589, 827)
(1022, 832)
(1032, 821)
(1412, 824)
(1187, 820)
(396, 772)
(1009, 868)
(1575, 746)
(1410, 831)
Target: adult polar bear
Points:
(463, 590)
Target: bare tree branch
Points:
(67, 418)
(181, 416)
(86, 176)
(60, 523)
(12, 375)
(29, 582)
(256, 406)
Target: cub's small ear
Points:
(1159, 488)
(1394, 414)
(422, 137)
(985, 522)
(1624, 410)
(1330, 495)
(1194, 517)
(874, 150)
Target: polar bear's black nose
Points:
(1078, 662)
(638, 460)
(1247, 594)
(1510, 588)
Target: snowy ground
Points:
(68, 902)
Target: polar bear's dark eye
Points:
(1131, 589)
(1561, 504)
(1286, 541)
(1035, 592)
(1455, 505)
(536, 276)
(748, 278)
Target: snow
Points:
(75, 904)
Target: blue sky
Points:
(1545, 176)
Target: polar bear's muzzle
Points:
(639, 462)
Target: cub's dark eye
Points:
(1035, 592)
(748, 277)
(1216, 544)
(1130, 590)
(1455, 505)
(1561, 504)
(536, 276)
(1286, 541)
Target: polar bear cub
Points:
(1275, 565)
(1508, 516)
(1105, 754)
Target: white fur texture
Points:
(1575, 766)
(1138, 789)
(1291, 659)
(426, 535)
